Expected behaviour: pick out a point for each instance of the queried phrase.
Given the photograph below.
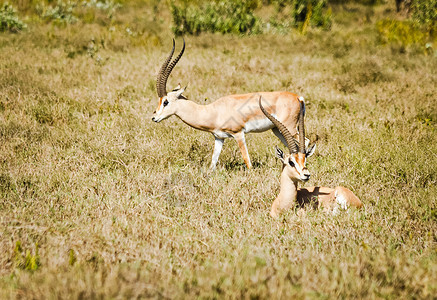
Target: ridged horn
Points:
(301, 127)
(171, 66)
(160, 88)
(291, 145)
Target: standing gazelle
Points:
(294, 170)
(229, 116)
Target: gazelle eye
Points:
(290, 163)
(165, 103)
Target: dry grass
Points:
(110, 205)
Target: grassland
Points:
(97, 201)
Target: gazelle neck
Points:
(193, 114)
(287, 195)
(288, 187)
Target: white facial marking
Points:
(296, 165)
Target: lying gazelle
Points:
(229, 116)
(294, 170)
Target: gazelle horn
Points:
(160, 89)
(291, 145)
(301, 128)
(170, 68)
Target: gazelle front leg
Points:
(217, 150)
(239, 137)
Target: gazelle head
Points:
(165, 108)
(294, 164)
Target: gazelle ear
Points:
(310, 151)
(177, 88)
(307, 142)
(179, 93)
(279, 154)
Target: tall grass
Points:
(96, 201)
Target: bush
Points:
(425, 13)
(307, 12)
(364, 2)
(401, 33)
(312, 9)
(222, 16)
(108, 6)
(420, 30)
(227, 16)
(9, 20)
(62, 13)
(68, 12)
(24, 259)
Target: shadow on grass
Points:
(236, 165)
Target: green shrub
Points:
(9, 20)
(108, 6)
(221, 16)
(61, 13)
(419, 31)
(302, 9)
(68, 12)
(227, 16)
(401, 33)
(425, 13)
(97, 11)
(24, 259)
(364, 2)
(307, 12)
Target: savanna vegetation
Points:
(97, 201)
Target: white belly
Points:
(221, 134)
(258, 125)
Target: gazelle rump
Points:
(229, 116)
(294, 170)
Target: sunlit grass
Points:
(115, 205)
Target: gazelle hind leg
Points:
(341, 200)
(239, 137)
(345, 198)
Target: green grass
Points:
(104, 203)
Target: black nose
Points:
(306, 177)
(153, 118)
